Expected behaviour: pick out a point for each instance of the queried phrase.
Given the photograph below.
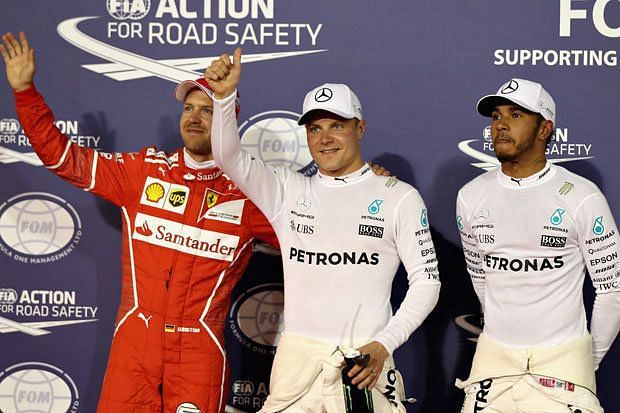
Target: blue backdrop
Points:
(108, 68)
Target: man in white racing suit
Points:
(343, 234)
(530, 230)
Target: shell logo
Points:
(154, 192)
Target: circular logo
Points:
(37, 224)
(323, 95)
(10, 126)
(243, 388)
(128, 9)
(37, 387)
(8, 296)
(187, 408)
(275, 138)
(510, 87)
(304, 203)
(257, 315)
(486, 134)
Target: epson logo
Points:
(568, 14)
(371, 231)
(603, 260)
(552, 241)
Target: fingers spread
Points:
(15, 48)
(4, 53)
(24, 41)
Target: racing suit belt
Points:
(571, 361)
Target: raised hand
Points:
(223, 75)
(19, 60)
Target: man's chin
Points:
(505, 157)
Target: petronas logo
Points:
(556, 217)
(374, 206)
(598, 226)
(424, 218)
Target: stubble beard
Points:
(520, 149)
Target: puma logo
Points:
(146, 320)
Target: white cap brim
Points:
(183, 88)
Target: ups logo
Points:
(177, 198)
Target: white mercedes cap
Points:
(525, 93)
(336, 98)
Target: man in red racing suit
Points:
(187, 238)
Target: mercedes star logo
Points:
(510, 87)
(304, 203)
(323, 95)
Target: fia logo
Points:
(459, 222)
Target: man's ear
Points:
(361, 127)
(545, 130)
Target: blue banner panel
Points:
(108, 68)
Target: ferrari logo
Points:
(211, 198)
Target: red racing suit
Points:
(187, 238)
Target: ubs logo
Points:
(302, 228)
(486, 238)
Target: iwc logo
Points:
(37, 227)
(37, 387)
(255, 318)
(275, 138)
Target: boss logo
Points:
(371, 231)
(552, 241)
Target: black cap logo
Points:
(510, 87)
(323, 95)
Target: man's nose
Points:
(326, 137)
(501, 124)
